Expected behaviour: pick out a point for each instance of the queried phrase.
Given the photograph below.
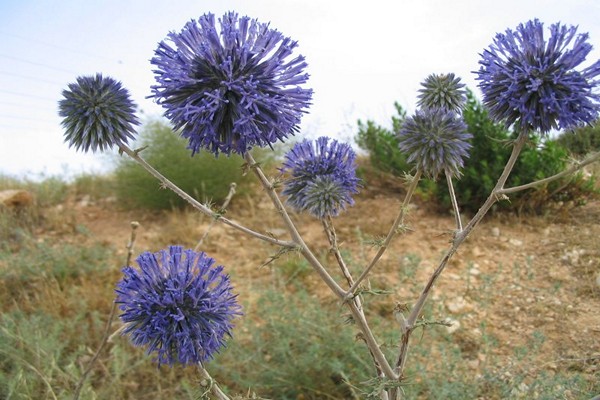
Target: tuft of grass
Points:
(296, 348)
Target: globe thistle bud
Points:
(178, 304)
(533, 84)
(233, 87)
(442, 91)
(323, 177)
(436, 141)
(98, 113)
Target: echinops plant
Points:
(236, 84)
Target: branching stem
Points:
(197, 205)
(226, 202)
(459, 238)
(211, 385)
(577, 166)
(357, 313)
(291, 227)
(393, 230)
(457, 218)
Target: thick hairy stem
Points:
(398, 222)
(293, 231)
(197, 205)
(111, 317)
(226, 202)
(454, 202)
(459, 238)
(210, 385)
(574, 168)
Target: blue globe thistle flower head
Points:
(436, 140)
(532, 82)
(230, 88)
(98, 113)
(323, 177)
(442, 91)
(178, 304)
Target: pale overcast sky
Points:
(362, 55)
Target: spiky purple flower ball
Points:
(233, 87)
(323, 177)
(98, 113)
(533, 83)
(178, 304)
(442, 91)
(436, 140)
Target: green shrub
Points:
(382, 144)
(95, 186)
(581, 141)
(491, 149)
(202, 176)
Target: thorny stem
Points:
(397, 223)
(111, 317)
(380, 360)
(357, 314)
(232, 187)
(577, 166)
(210, 384)
(197, 205)
(332, 237)
(496, 195)
(454, 202)
(293, 231)
(335, 249)
(460, 237)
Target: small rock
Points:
(15, 198)
(496, 231)
(456, 305)
(546, 232)
(572, 257)
(476, 251)
(598, 279)
(474, 271)
(515, 242)
(453, 276)
(85, 201)
(454, 325)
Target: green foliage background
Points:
(491, 149)
(382, 143)
(582, 140)
(203, 176)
